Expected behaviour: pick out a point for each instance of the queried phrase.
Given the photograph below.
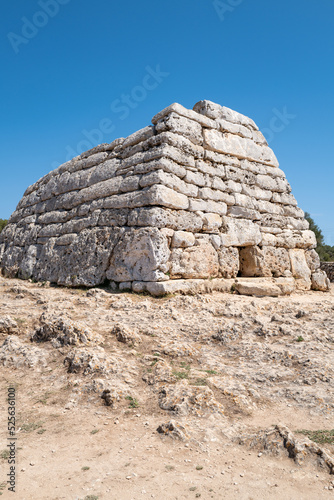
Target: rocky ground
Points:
(123, 396)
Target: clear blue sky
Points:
(67, 77)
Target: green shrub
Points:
(3, 223)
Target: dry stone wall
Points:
(197, 195)
(328, 267)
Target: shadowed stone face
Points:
(198, 195)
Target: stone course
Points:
(198, 195)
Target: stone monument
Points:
(194, 202)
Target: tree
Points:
(3, 223)
(325, 252)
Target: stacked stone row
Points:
(204, 186)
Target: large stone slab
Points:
(239, 233)
(300, 270)
(141, 255)
(238, 146)
(196, 262)
(263, 287)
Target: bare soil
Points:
(251, 362)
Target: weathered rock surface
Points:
(198, 195)
(62, 331)
(8, 325)
(281, 440)
(17, 354)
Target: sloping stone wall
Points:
(328, 267)
(197, 195)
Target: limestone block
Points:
(207, 206)
(218, 183)
(96, 191)
(187, 286)
(53, 217)
(271, 230)
(312, 260)
(240, 233)
(153, 217)
(162, 195)
(94, 159)
(320, 281)
(267, 207)
(243, 213)
(239, 175)
(78, 224)
(282, 184)
(258, 137)
(2, 250)
(219, 158)
(154, 195)
(183, 239)
(282, 222)
(139, 136)
(130, 183)
(181, 125)
(162, 217)
(184, 145)
(7, 234)
(262, 287)
(51, 230)
(291, 211)
(242, 200)
(66, 239)
(84, 262)
(256, 192)
(163, 151)
(141, 255)
(266, 182)
(216, 195)
(188, 113)
(207, 168)
(233, 128)
(233, 187)
(284, 199)
(164, 164)
(196, 262)
(300, 270)
(211, 222)
(309, 239)
(113, 217)
(266, 261)
(12, 257)
(169, 180)
(196, 178)
(228, 259)
(215, 240)
(238, 146)
(296, 239)
(28, 262)
(268, 239)
(215, 111)
(104, 171)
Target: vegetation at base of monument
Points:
(3, 223)
(325, 252)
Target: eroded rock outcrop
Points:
(197, 195)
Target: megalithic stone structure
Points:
(189, 203)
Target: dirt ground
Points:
(223, 368)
